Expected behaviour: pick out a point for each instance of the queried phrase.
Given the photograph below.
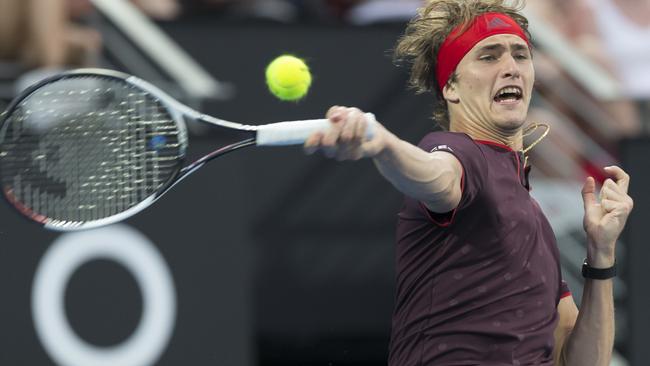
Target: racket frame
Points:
(177, 111)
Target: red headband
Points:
(458, 44)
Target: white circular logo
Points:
(134, 251)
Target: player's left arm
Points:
(590, 340)
(567, 316)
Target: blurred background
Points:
(277, 258)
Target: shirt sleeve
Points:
(474, 166)
(564, 290)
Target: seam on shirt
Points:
(518, 169)
(488, 142)
(450, 220)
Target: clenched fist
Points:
(604, 220)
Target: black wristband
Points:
(598, 273)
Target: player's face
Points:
(494, 84)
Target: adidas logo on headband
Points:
(497, 23)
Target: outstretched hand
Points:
(604, 220)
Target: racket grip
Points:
(296, 132)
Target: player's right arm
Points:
(433, 178)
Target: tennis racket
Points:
(92, 147)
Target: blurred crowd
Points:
(352, 11)
(613, 34)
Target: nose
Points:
(510, 68)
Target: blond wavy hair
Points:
(424, 35)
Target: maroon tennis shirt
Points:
(481, 284)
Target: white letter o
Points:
(134, 251)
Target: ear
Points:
(450, 94)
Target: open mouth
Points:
(509, 94)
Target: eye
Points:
(487, 58)
(522, 56)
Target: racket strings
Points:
(82, 149)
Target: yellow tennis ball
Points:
(288, 78)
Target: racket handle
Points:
(296, 132)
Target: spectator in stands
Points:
(42, 34)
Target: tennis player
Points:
(478, 271)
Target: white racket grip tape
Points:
(296, 132)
